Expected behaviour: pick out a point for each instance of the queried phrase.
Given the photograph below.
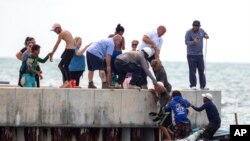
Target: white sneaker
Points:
(193, 88)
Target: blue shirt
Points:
(192, 47)
(211, 110)
(102, 47)
(77, 63)
(178, 105)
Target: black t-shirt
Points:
(23, 50)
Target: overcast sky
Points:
(226, 21)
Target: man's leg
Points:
(210, 130)
(68, 56)
(90, 69)
(192, 70)
(102, 75)
(61, 67)
(201, 68)
(90, 76)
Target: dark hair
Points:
(27, 40)
(119, 28)
(176, 93)
(35, 48)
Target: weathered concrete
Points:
(7, 106)
(87, 108)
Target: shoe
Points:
(133, 87)
(193, 88)
(91, 85)
(105, 85)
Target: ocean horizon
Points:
(231, 78)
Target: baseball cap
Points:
(196, 23)
(55, 26)
(207, 95)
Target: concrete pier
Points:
(48, 108)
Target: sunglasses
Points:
(134, 44)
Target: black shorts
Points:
(94, 62)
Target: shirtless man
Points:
(67, 54)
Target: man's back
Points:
(212, 112)
(102, 47)
(179, 105)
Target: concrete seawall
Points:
(53, 107)
(87, 108)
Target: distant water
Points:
(233, 79)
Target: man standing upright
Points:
(194, 41)
(67, 54)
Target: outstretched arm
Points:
(44, 59)
(81, 51)
(56, 45)
(199, 109)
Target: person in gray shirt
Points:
(134, 62)
(194, 42)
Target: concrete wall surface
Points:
(53, 107)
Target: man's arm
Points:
(57, 44)
(108, 60)
(188, 41)
(199, 109)
(147, 40)
(143, 63)
(205, 34)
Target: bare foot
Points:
(62, 86)
(67, 85)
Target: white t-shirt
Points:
(155, 38)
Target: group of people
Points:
(106, 56)
(173, 115)
(126, 70)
